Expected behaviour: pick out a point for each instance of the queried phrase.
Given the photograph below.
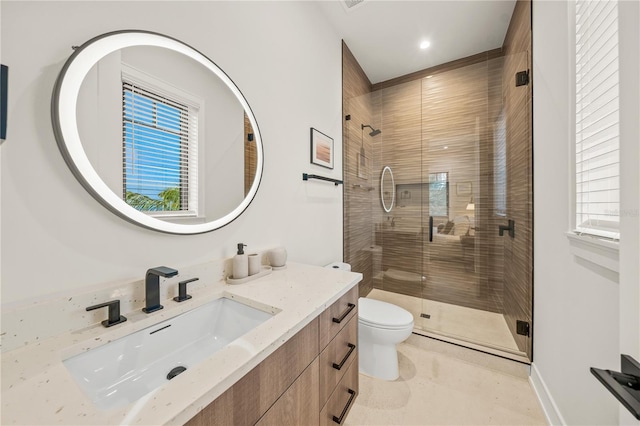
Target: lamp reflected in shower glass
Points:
(471, 205)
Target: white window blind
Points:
(159, 151)
(597, 117)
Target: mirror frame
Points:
(393, 185)
(64, 119)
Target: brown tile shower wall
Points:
(358, 212)
(400, 232)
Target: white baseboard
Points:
(549, 406)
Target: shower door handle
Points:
(511, 229)
(430, 228)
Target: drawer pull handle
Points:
(346, 407)
(350, 307)
(346, 357)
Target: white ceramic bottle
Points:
(240, 263)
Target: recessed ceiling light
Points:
(424, 44)
(429, 76)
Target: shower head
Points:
(374, 132)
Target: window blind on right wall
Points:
(597, 117)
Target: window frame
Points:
(592, 238)
(196, 107)
(598, 250)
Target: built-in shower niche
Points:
(412, 212)
(409, 195)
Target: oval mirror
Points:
(157, 132)
(387, 189)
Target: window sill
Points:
(595, 250)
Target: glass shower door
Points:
(399, 232)
(463, 257)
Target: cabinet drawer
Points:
(342, 399)
(298, 405)
(336, 358)
(336, 316)
(247, 400)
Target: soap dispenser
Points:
(240, 263)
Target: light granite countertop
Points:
(38, 389)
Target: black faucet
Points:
(152, 287)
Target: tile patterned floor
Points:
(447, 387)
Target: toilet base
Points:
(381, 326)
(380, 361)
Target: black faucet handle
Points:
(182, 290)
(114, 312)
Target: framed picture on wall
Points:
(464, 188)
(321, 149)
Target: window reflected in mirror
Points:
(159, 152)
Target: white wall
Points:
(576, 303)
(286, 61)
(99, 116)
(630, 193)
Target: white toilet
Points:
(381, 326)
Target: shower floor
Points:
(459, 322)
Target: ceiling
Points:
(384, 35)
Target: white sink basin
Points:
(122, 371)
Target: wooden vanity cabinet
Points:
(338, 342)
(336, 316)
(299, 405)
(247, 400)
(298, 384)
(342, 398)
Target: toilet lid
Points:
(382, 314)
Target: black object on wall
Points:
(522, 78)
(4, 80)
(624, 385)
(522, 327)
(511, 229)
(306, 176)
